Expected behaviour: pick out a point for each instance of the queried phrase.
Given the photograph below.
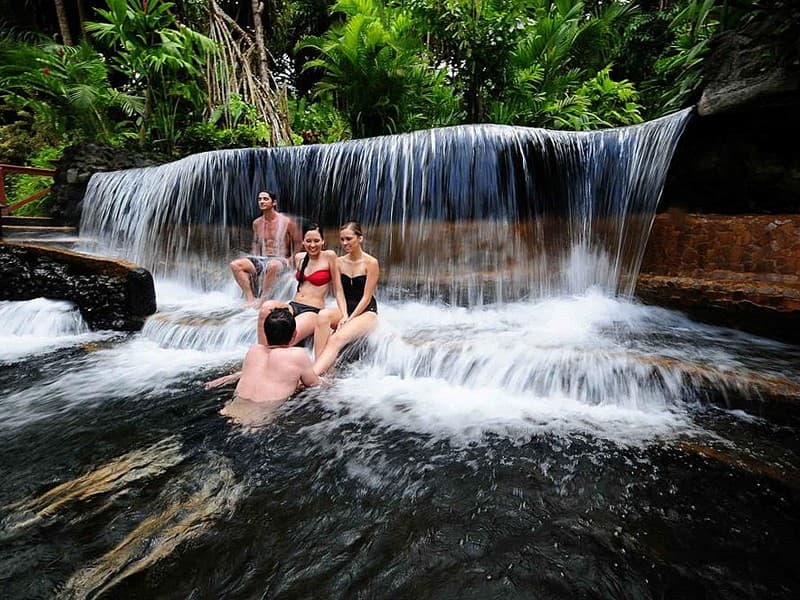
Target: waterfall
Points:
(470, 214)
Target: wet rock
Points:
(77, 165)
(741, 271)
(110, 294)
(761, 308)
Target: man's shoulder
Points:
(287, 350)
(288, 219)
(297, 353)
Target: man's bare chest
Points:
(271, 230)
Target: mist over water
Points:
(517, 425)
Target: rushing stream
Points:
(517, 427)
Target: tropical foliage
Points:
(557, 74)
(187, 75)
(377, 72)
(67, 87)
(161, 60)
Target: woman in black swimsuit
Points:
(357, 312)
(316, 269)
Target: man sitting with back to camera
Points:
(273, 372)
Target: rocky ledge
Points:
(741, 271)
(771, 310)
(110, 294)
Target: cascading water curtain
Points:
(468, 214)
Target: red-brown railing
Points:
(26, 171)
(7, 209)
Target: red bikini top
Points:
(318, 278)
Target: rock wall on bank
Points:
(741, 271)
(726, 248)
(110, 294)
(739, 153)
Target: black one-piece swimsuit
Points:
(353, 292)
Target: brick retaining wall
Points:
(741, 271)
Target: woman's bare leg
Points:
(306, 324)
(326, 320)
(352, 330)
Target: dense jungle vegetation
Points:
(173, 78)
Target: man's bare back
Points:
(271, 374)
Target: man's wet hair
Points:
(272, 195)
(279, 327)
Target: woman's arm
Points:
(336, 280)
(307, 375)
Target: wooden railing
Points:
(6, 209)
(25, 171)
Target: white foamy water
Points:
(40, 325)
(135, 370)
(584, 364)
(556, 366)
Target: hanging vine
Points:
(238, 69)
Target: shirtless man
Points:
(271, 373)
(275, 239)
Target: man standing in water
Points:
(275, 237)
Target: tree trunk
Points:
(63, 24)
(82, 18)
(148, 111)
(258, 25)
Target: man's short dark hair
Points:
(279, 327)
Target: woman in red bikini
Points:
(316, 270)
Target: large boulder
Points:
(755, 65)
(739, 154)
(110, 294)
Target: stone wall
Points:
(742, 271)
(754, 247)
(110, 294)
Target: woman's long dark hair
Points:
(301, 273)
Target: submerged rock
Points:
(110, 294)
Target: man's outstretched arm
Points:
(225, 380)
